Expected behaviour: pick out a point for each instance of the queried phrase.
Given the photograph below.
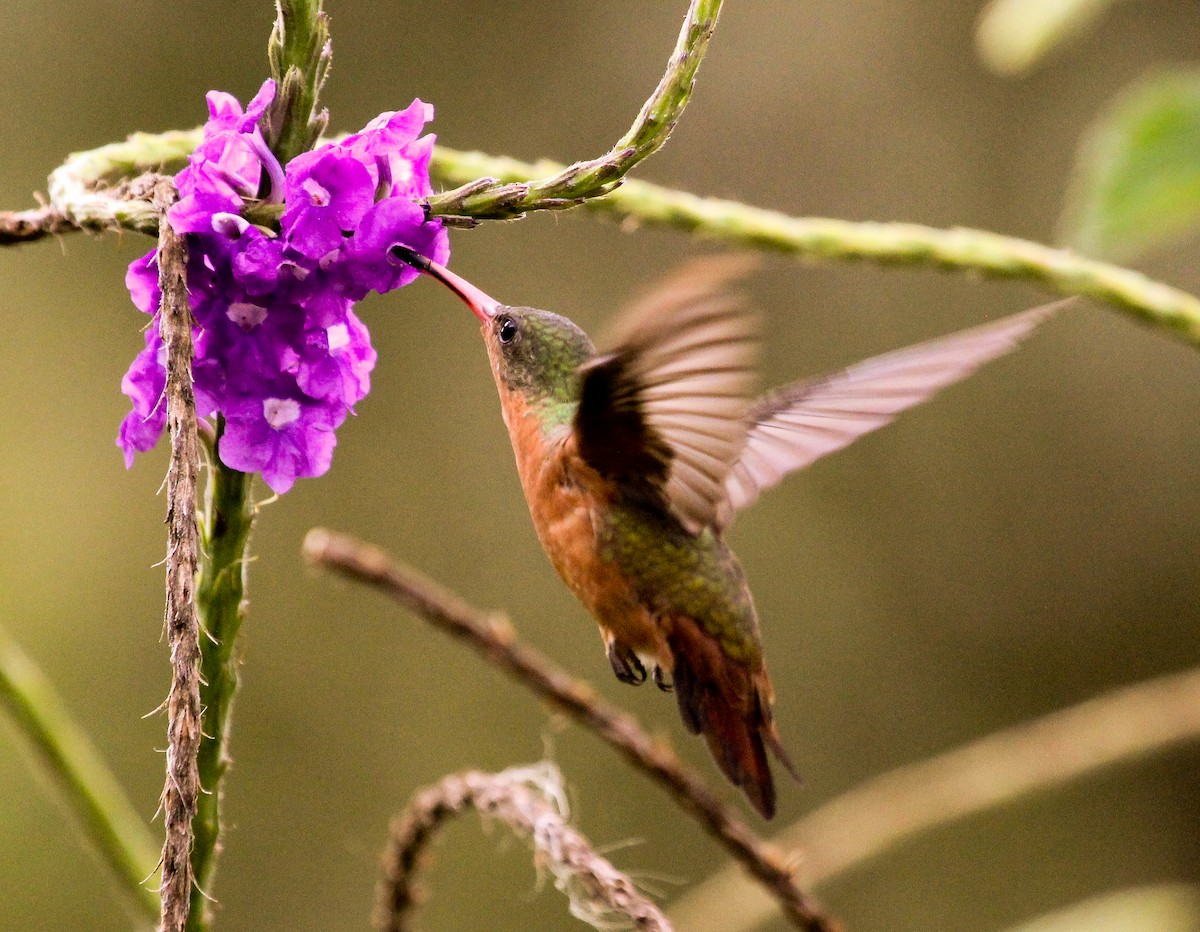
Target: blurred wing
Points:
(799, 423)
(665, 412)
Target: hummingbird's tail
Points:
(730, 705)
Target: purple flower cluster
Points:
(279, 351)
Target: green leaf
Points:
(1165, 908)
(1014, 35)
(1137, 175)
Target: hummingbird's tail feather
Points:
(770, 735)
(768, 732)
(730, 705)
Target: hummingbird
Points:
(635, 459)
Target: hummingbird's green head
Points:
(534, 353)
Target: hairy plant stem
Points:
(956, 249)
(98, 189)
(299, 53)
(225, 527)
(493, 638)
(75, 198)
(532, 802)
(89, 788)
(182, 789)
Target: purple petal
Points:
(139, 433)
(142, 281)
(325, 307)
(193, 213)
(144, 384)
(312, 233)
(281, 437)
(257, 261)
(335, 365)
(299, 456)
(224, 110)
(391, 221)
(410, 169)
(254, 341)
(389, 131)
(248, 442)
(257, 106)
(333, 180)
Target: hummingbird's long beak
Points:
(484, 307)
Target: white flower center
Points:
(246, 316)
(230, 225)
(315, 190)
(402, 171)
(339, 337)
(280, 412)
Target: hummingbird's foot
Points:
(661, 681)
(625, 664)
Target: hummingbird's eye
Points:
(507, 331)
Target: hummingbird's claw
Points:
(661, 681)
(626, 664)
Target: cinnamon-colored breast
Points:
(570, 504)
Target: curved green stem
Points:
(503, 198)
(91, 790)
(957, 249)
(100, 189)
(220, 599)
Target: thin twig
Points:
(532, 802)
(75, 195)
(103, 189)
(996, 770)
(182, 789)
(955, 249)
(88, 786)
(494, 638)
(503, 199)
(27, 226)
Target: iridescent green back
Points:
(676, 572)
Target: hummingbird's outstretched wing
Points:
(666, 411)
(799, 423)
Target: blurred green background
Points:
(1024, 542)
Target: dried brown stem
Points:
(532, 802)
(27, 226)
(995, 770)
(493, 637)
(182, 623)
